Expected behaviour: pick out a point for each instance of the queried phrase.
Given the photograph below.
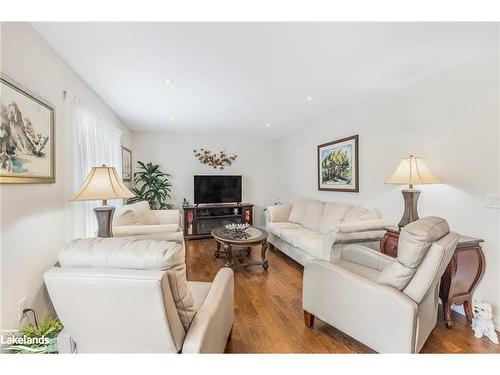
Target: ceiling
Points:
(254, 79)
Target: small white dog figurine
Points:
(482, 322)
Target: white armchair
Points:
(138, 220)
(122, 295)
(389, 305)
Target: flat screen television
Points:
(217, 189)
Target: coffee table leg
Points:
(265, 262)
(229, 252)
(217, 250)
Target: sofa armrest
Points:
(329, 239)
(358, 237)
(212, 323)
(362, 226)
(366, 257)
(348, 301)
(278, 213)
(136, 230)
(168, 216)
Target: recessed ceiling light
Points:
(268, 125)
(172, 117)
(168, 81)
(308, 98)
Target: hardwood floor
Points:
(269, 318)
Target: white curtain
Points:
(96, 141)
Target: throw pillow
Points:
(313, 215)
(298, 211)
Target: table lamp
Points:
(103, 183)
(411, 171)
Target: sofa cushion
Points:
(275, 228)
(199, 291)
(311, 244)
(396, 275)
(125, 217)
(298, 211)
(313, 215)
(140, 212)
(358, 269)
(134, 230)
(415, 240)
(168, 256)
(358, 213)
(333, 214)
(116, 252)
(293, 236)
(433, 264)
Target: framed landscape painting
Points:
(27, 154)
(338, 165)
(126, 164)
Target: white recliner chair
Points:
(388, 304)
(123, 295)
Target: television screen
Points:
(217, 189)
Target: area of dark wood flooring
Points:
(269, 317)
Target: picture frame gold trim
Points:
(355, 189)
(33, 179)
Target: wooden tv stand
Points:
(200, 219)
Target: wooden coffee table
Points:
(232, 245)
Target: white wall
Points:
(36, 219)
(452, 120)
(257, 162)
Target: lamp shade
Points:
(412, 171)
(102, 183)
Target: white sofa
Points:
(311, 229)
(139, 221)
(129, 295)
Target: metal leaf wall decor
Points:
(212, 159)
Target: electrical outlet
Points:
(23, 304)
(493, 200)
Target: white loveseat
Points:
(311, 229)
(139, 221)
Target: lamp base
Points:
(104, 215)
(410, 215)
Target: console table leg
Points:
(447, 315)
(265, 262)
(468, 310)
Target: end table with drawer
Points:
(461, 276)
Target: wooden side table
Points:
(461, 276)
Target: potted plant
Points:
(37, 340)
(152, 185)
